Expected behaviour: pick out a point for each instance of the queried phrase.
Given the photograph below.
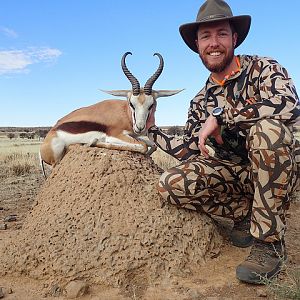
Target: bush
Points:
(41, 133)
(21, 169)
(19, 164)
(288, 288)
(11, 135)
(175, 130)
(23, 135)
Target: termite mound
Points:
(99, 217)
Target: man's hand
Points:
(151, 117)
(209, 128)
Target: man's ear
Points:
(196, 42)
(235, 36)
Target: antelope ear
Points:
(118, 93)
(166, 93)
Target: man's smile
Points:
(215, 53)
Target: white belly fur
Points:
(65, 139)
(80, 138)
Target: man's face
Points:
(215, 43)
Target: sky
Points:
(56, 55)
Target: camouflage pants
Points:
(223, 188)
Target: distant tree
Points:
(175, 130)
(41, 133)
(11, 135)
(30, 135)
(23, 135)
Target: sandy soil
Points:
(212, 278)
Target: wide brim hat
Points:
(213, 11)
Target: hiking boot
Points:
(240, 234)
(264, 262)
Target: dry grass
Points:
(18, 145)
(286, 288)
(18, 163)
(18, 156)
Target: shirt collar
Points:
(244, 62)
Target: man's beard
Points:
(218, 68)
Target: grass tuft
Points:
(19, 163)
(289, 288)
(286, 286)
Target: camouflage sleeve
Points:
(185, 147)
(277, 98)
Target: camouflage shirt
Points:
(261, 89)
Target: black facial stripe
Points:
(131, 105)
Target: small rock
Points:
(261, 293)
(215, 253)
(7, 291)
(194, 295)
(3, 226)
(55, 291)
(212, 298)
(1, 293)
(10, 218)
(76, 288)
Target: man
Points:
(238, 151)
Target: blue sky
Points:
(55, 55)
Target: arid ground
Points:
(21, 181)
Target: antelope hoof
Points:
(152, 149)
(93, 143)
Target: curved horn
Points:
(153, 78)
(134, 82)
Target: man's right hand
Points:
(209, 128)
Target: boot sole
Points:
(245, 275)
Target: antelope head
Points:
(141, 100)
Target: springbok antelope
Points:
(112, 124)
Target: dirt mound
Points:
(99, 217)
